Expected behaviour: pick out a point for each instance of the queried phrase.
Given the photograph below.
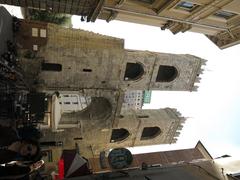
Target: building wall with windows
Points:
(217, 19)
(33, 36)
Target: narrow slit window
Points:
(143, 116)
(87, 70)
(51, 67)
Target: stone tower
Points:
(85, 64)
(94, 61)
(134, 128)
(146, 127)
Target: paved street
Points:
(5, 29)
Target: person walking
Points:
(13, 148)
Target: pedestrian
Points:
(13, 148)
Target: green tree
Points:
(51, 17)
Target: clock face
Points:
(120, 158)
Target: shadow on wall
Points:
(99, 109)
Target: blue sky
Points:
(213, 112)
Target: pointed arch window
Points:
(166, 73)
(134, 71)
(150, 132)
(119, 135)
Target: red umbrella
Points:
(61, 169)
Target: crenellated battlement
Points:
(199, 72)
(176, 127)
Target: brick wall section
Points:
(156, 158)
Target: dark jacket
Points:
(7, 137)
(13, 172)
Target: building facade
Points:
(188, 164)
(72, 66)
(217, 19)
(101, 164)
(202, 169)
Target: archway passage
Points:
(166, 73)
(150, 132)
(99, 109)
(119, 135)
(134, 71)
